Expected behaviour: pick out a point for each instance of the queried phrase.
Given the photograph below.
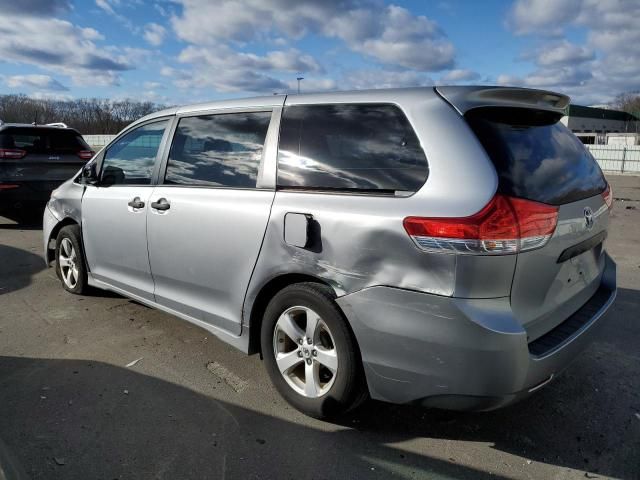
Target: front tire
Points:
(70, 265)
(310, 353)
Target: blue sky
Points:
(184, 51)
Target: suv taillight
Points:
(505, 225)
(608, 196)
(12, 153)
(85, 154)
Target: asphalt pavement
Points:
(101, 387)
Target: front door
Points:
(207, 217)
(114, 212)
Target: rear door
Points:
(538, 158)
(114, 212)
(209, 213)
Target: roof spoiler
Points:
(464, 99)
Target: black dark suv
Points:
(34, 160)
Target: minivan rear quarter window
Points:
(352, 147)
(536, 156)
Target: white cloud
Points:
(309, 85)
(389, 34)
(91, 34)
(542, 16)
(50, 96)
(44, 82)
(108, 5)
(396, 37)
(61, 47)
(166, 71)
(563, 53)
(608, 62)
(154, 34)
(366, 79)
(460, 75)
(227, 70)
(153, 86)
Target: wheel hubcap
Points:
(68, 263)
(305, 352)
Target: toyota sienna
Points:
(441, 246)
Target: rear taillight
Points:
(608, 196)
(8, 186)
(85, 154)
(12, 153)
(505, 225)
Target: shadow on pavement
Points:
(17, 268)
(78, 419)
(10, 467)
(85, 419)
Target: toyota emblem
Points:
(588, 218)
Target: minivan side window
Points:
(355, 147)
(219, 150)
(130, 159)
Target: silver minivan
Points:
(441, 246)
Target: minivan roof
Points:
(462, 98)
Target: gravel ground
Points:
(193, 407)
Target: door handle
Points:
(161, 204)
(136, 203)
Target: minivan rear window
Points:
(42, 140)
(536, 156)
(352, 147)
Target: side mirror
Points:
(89, 175)
(112, 176)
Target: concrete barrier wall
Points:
(98, 141)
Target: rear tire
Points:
(70, 263)
(310, 353)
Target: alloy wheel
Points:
(68, 259)
(305, 352)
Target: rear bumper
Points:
(461, 354)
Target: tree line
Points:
(87, 115)
(628, 102)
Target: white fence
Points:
(98, 141)
(617, 158)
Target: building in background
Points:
(594, 125)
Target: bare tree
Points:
(87, 115)
(628, 102)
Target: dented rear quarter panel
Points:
(358, 241)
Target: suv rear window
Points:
(536, 157)
(359, 147)
(43, 140)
